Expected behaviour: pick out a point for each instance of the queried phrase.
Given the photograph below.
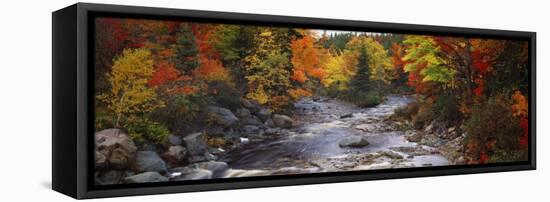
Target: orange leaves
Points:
(164, 72)
(299, 93)
(520, 109)
(520, 106)
(211, 70)
(305, 59)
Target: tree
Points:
(266, 70)
(378, 59)
(186, 50)
(129, 93)
(424, 63)
(340, 69)
(305, 60)
(361, 81)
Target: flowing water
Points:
(313, 144)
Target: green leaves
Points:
(422, 55)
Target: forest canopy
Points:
(155, 78)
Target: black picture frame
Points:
(72, 98)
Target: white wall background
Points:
(25, 101)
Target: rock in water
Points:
(354, 141)
(221, 116)
(346, 116)
(149, 161)
(282, 121)
(146, 177)
(175, 155)
(114, 149)
(216, 167)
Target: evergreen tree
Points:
(360, 82)
(186, 50)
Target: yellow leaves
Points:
(520, 106)
(340, 69)
(129, 91)
(258, 94)
(379, 62)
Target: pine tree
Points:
(186, 50)
(360, 82)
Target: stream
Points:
(312, 145)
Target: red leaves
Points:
(524, 139)
(164, 72)
(480, 62)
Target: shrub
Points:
(491, 128)
(142, 129)
(369, 99)
(445, 109)
(406, 113)
(103, 120)
(224, 94)
(423, 116)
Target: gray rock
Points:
(149, 161)
(175, 155)
(269, 123)
(145, 178)
(354, 141)
(215, 131)
(100, 161)
(391, 154)
(175, 140)
(221, 116)
(195, 144)
(242, 112)
(346, 116)
(251, 105)
(251, 129)
(263, 114)
(272, 131)
(216, 167)
(117, 150)
(251, 120)
(282, 121)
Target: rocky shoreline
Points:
(185, 157)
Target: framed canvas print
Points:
(154, 100)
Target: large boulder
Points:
(149, 161)
(282, 121)
(354, 141)
(221, 116)
(195, 144)
(145, 178)
(175, 155)
(114, 149)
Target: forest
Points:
(179, 100)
